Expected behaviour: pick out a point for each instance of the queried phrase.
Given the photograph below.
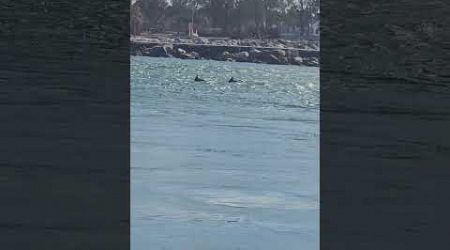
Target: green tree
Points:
(150, 13)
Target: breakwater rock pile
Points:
(253, 52)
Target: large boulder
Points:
(195, 55)
(169, 49)
(268, 57)
(254, 54)
(311, 61)
(297, 60)
(183, 54)
(243, 56)
(158, 51)
(279, 53)
(226, 55)
(180, 51)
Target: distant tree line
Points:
(238, 18)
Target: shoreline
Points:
(278, 52)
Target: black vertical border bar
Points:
(64, 105)
(385, 120)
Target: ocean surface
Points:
(224, 166)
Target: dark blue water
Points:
(218, 165)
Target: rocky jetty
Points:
(254, 51)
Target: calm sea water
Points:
(224, 166)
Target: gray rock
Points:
(297, 60)
(201, 40)
(243, 56)
(195, 55)
(168, 46)
(186, 56)
(158, 51)
(169, 49)
(267, 57)
(279, 53)
(226, 55)
(254, 51)
(182, 54)
(311, 61)
(272, 57)
(254, 54)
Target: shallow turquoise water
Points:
(218, 165)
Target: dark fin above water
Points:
(197, 79)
